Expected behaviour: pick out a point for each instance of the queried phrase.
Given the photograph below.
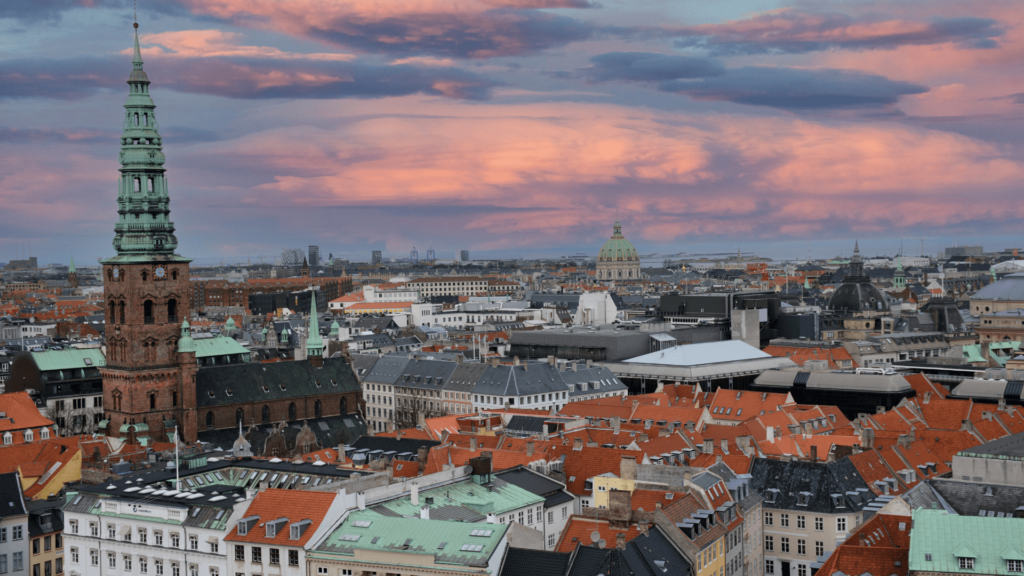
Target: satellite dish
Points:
(595, 536)
(601, 543)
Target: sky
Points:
(520, 128)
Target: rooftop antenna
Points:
(922, 247)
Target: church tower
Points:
(72, 274)
(149, 381)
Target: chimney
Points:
(361, 500)
(709, 446)
(718, 458)
(642, 438)
(577, 443)
(398, 435)
(574, 367)
(771, 434)
(515, 361)
(589, 363)
(620, 541)
(472, 444)
(687, 475)
(415, 495)
(635, 404)
(690, 425)
(492, 518)
(814, 453)
(551, 360)
(867, 438)
(458, 359)
(529, 448)
(615, 424)
(425, 513)
(1002, 404)
(657, 506)
(494, 362)
(725, 446)
(927, 397)
(879, 409)
(627, 468)
(663, 432)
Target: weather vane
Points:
(135, 13)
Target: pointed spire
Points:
(71, 267)
(137, 57)
(314, 344)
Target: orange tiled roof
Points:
(20, 413)
(580, 528)
(889, 554)
(295, 505)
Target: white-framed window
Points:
(214, 571)
(193, 570)
(111, 560)
(841, 524)
(565, 512)
(158, 538)
(74, 555)
(175, 540)
(346, 572)
(551, 517)
(321, 569)
(29, 436)
(193, 542)
(769, 519)
(143, 565)
(142, 536)
(784, 520)
(965, 563)
(801, 570)
(127, 563)
(175, 569)
(1015, 565)
(74, 526)
(16, 533)
(158, 567)
(94, 557)
(94, 529)
(44, 433)
(819, 523)
(769, 566)
(551, 540)
(111, 531)
(769, 543)
(8, 438)
(819, 548)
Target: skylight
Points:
(349, 537)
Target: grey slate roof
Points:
(520, 423)
(973, 499)
(388, 444)
(650, 555)
(465, 376)
(363, 363)
(542, 378)
(329, 430)
(820, 480)
(526, 562)
(426, 374)
(836, 381)
(11, 502)
(387, 370)
(253, 382)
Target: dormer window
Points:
(771, 495)
(275, 526)
(803, 498)
(246, 524)
(965, 563)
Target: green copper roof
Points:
(445, 541)
(69, 359)
(617, 248)
(218, 346)
(144, 231)
(463, 499)
(944, 538)
(71, 267)
(314, 344)
(186, 343)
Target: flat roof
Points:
(700, 354)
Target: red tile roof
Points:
(295, 505)
(580, 530)
(889, 554)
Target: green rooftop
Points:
(939, 540)
(219, 346)
(451, 544)
(69, 359)
(467, 501)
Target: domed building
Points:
(618, 259)
(999, 296)
(857, 295)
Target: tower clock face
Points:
(160, 272)
(117, 272)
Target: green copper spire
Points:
(335, 329)
(186, 343)
(144, 231)
(314, 344)
(899, 280)
(71, 267)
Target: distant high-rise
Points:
(430, 255)
(414, 256)
(292, 257)
(377, 258)
(464, 255)
(314, 255)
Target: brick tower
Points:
(149, 379)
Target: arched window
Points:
(291, 412)
(147, 310)
(152, 401)
(344, 406)
(145, 119)
(149, 184)
(120, 314)
(209, 420)
(137, 183)
(239, 416)
(28, 436)
(317, 410)
(174, 399)
(172, 310)
(145, 275)
(174, 274)
(266, 415)
(136, 118)
(112, 318)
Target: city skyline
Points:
(520, 128)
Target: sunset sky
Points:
(519, 127)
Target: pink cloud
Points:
(217, 43)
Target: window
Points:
(293, 557)
(239, 553)
(551, 517)
(275, 556)
(801, 522)
(801, 547)
(142, 535)
(784, 544)
(801, 570)
(784, 520)
(158, 538)
(3, 534)
(74, 526)
(214, 547)
(193, 542)
(111, 560)
(565, 512)
(966, 563)
(346, 572)
(551, 540)
(257, 555)
(175, 569)
(158, 567)
(58, 566)
(769, 543)
(193, 570)
(321, 569)
(841, 524)
(127, 563)
(16, 532)
(1015, 565)
(111, 531)
(94, 529)
(214, 571)
(819, 548)
(175, 540)
(17, 562)
(143, 565)
(94, 557)
(769, 519)
(58, 541)
(74, 555)
(35, 546)
(819, 523)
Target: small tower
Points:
(305, 268)
(72, 275)
(899, 280)
(314, 343)
(335, 330)
(229, 327)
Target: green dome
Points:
(618, 249)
